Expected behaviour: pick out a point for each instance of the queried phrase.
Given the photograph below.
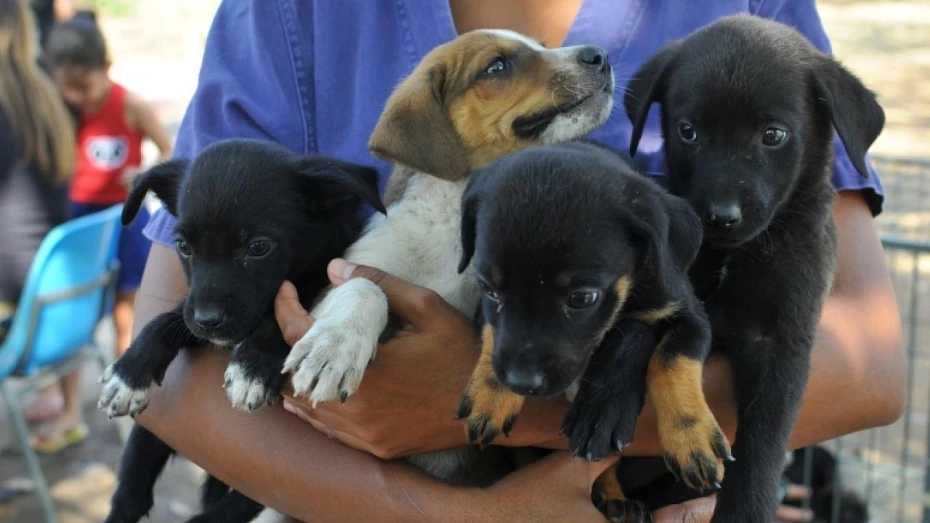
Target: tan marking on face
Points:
(447, 119)
(623, 286)
(651, 316)
(687, 427)
(563, 279)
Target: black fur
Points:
(548, 222)
(250, 215)
(825, 485)
(766, 268)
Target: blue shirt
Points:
(314, 75)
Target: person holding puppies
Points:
(314, 77)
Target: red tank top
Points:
(107, 145)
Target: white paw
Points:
(329, 361)
(118, 398)
(246, 392)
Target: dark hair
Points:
(77, 42)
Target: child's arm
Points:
(142, 118)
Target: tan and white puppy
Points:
(484, 95)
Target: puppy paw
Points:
(490, 408)
(248, 389)
(118, 398)
(624, 511)
(695, 450)
(600, 425)
(329, 361)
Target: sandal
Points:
(66, 439)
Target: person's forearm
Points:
(842, 395)
(282, 462)
(269, 455)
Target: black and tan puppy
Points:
(584, 264)
(748, 112)
(250, 216)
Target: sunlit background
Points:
(156, 47)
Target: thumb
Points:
(412, 303)
(293, 319)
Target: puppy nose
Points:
(724, 216)
(525, 382)
(595, 56)
(209, 317)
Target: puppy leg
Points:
(212, 491)
(772, 374)
(328, 362)
(129, 380)
(694, 444)
(490, 407)
(234, 507)
(602, 418)
(253, 377)
(608, 497)
(143, 460)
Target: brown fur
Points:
(494, 408)
(446, 120)
(687, 427)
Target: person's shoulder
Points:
(135, 107)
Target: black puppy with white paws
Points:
(748, 112)
(251, 215)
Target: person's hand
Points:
(700, 510)
(409, 394)
(697, 510)
(554, 489)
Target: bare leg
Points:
(123, 316)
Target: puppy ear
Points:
(855, 112)
(334, 184)
(471, 204)
(672, 233)
(648, 85)
(415, 129)
(163, 180)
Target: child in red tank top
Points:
(111, 124)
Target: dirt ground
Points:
(886, 43)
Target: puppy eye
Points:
(687, 132)
(774, 136)
(583, 299)
(182, 247)
(258, 248)
(497, 66)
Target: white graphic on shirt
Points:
(107, 152)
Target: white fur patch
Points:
(419, 242)
(513, 35)
(271, 516)
(329, 360)
(245, 393)
(118, 399)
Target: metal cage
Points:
(887, 467)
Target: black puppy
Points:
(251, 215)
(584, 266)
(748, 111)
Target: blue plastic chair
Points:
(69, 289)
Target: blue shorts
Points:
(133, 246)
